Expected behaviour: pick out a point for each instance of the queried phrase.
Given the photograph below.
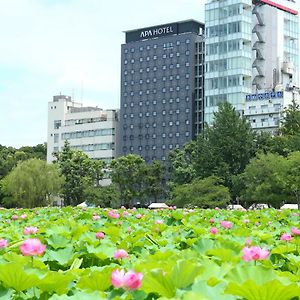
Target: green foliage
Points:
(153, 181)
(206, 193)
(223, 150)
(80, 173)
(179, 258)
(32, 183)
(291, 120)
(137, 180)
(103, 196)
(263, 180)
(127, 174)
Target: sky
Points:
(71, 47)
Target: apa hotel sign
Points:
(151, 32)
(156, 32)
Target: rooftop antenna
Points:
(81, 91)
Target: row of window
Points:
(154, 102)
(154, 124)
(154, 136)
(85, 120)
(154, 91)
(223, 12)
(164, 67)
(94, 147)
(224, 29)
(154, 147)
(154, 113)
(164, 56)
(154, 80)
(223, 82)
(88, 133)
(224, 47)
(154, 46)
(222, 65)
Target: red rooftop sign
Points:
(277, 5)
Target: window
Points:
(177, 43)
(57, 124)
(154, 113)
(56, 137)
(153, 147)
(132, 50)
(141, 48)
(170, 146)
(141, 59)
(187, 41)
(125, 51)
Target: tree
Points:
(32, 183)
(263, 181)
(206, 193)
(292, 176)
(232, 139)
(291, 120)
(127, 174)
(104, 196)
(79, 173)
(153, 181)
(223, 150)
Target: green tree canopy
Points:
(263, 181)
(79, 171)
(127, 174)
(206, 193)
(223, 150)
(32, 183)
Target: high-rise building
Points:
(162, 88)
(251, 47)
(90, 129)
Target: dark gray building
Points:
(162, 89)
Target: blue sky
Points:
(68, 46)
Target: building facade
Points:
(90, 129)
(162, 89)
(265, 110)
(251, 46)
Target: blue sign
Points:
(264, 96)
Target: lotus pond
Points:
(71, 253)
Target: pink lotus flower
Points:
(159, 221)
(217, 208)
(14, 217)
(30, 230)
(211, 220)
(129, 229)
(125, 213)
(138, 216)
(100, 235)
(246, 221)
(23, 216)
(113, 214)
(213, 230)
(32, 247)
(3, 243)
(254, 253)
(95, 217)
(120, 253)
(286, 237)
(248, 242)
(130, 280)
(226, 224)
(295, 231)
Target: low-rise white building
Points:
(265, 109)
(90, 129)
